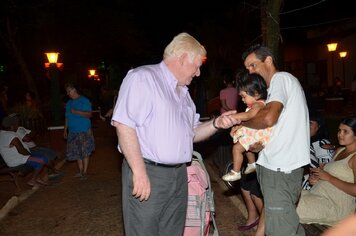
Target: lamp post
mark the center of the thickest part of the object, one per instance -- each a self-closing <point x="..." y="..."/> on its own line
<point x="53" y="67"/>
<point x="342" y="56"/>
<point x="93" y="82"/>
<point x="332" y="48"/>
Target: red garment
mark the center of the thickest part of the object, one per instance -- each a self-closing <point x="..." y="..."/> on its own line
<point x="230" y="95"/>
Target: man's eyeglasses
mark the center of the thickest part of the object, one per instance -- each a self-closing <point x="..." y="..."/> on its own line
<point x="252" y="65"/>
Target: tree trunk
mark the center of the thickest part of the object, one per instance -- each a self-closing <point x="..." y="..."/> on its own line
<point x="270" y="26"/>
<point x="8" y="38"/>
<point x="264" y="21"/>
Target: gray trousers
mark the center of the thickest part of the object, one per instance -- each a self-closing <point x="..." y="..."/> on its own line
<point x="164" y="213"/>
<point x="281" y="192"/>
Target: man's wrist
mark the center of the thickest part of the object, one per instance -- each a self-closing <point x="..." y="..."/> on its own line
<point x="214" y="124"/>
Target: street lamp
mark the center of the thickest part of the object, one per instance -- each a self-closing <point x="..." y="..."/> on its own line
<point x="92" y="75"/>
<point x="342" y="56"/>
<point x="92" y="72"/>
<point x="53" y="67"/>
<point x="332" y="48"/>
<point x="52" y="57"/>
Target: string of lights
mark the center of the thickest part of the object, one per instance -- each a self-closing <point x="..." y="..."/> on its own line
<point x="318" y="24"/>
<point x="302" y="8"/>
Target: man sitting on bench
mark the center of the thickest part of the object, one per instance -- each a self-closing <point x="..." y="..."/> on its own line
<point x="27" y="137"/>
<point x="15" y="153"/>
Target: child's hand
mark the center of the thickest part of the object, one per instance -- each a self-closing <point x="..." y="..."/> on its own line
<point x="234" y="130"/>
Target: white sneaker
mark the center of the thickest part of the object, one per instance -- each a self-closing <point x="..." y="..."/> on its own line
<point x="232" y="176"/>
<point x="250" y="168"/>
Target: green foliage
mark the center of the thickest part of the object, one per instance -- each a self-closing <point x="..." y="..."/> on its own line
<point x="3" y="68"/>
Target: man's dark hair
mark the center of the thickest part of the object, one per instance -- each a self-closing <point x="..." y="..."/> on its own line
<point x="262" y="52"/>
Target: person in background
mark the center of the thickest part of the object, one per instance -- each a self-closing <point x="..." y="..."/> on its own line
<point x="156" y="124"/>
<point x="353" y="84"/>
<point x="3" y="101"/>
<point x="30" y="100"/>
<point x="332" y="196"/>
<point x="321" y="150"/>
<point x="106" y="103"/>
<point x="15" y="152"/>
<point x="32" y="105"/>
<point x="253" y="198"/>
<point x="77" y="130"/>
<point x="28" y="139"/>
<point x="280" y="162"/>
<point x="338" y="85"/>
<point x="228" y="95"/>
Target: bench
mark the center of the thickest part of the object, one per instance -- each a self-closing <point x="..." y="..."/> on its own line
<point x="14" y="172"/>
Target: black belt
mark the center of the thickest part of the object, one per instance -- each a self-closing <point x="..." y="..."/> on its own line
<point x="160" y="164"/>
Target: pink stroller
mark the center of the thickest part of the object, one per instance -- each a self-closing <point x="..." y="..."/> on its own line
<point x="201" y="209"/>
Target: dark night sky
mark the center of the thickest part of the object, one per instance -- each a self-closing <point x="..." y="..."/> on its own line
<point x="104" y="24"/>
<point x="299" y="16"/>
<point x="136" y="32"/>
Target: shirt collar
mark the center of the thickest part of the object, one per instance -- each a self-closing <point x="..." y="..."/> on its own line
<point x="171" y="79"/>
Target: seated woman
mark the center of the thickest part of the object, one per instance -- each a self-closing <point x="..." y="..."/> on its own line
<point x="332" y="197"/>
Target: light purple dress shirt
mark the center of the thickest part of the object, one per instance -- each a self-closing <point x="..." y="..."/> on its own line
<point x="164" y="121"/>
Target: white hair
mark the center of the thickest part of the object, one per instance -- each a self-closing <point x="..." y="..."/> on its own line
<point x="184" y="43"/>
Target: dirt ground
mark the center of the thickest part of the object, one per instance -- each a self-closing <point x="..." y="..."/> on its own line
<point x="70" y="206"/>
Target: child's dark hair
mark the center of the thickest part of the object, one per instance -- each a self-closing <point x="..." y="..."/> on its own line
<point x="253" y="84"/>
